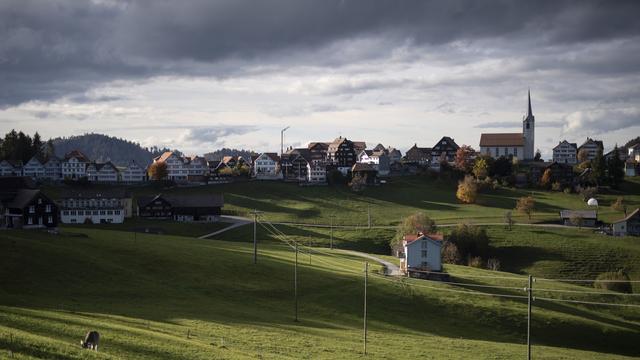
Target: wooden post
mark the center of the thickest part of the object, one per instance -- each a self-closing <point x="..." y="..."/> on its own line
<point x="331" y="241"/>
<point x="295" y="282"/>
<point x="529" y="291"/>
<point x="366" y="275"/>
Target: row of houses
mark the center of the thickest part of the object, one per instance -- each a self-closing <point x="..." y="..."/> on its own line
<point x="74" y="165"/>
<point x="23" y="205"/>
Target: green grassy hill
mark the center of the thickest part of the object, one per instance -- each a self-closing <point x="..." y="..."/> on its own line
<point x="157" y="296"/>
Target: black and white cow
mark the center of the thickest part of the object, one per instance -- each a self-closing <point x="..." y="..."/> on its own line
<point x="91" y="340"/>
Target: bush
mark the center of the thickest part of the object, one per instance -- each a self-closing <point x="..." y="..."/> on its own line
<point x="587" y="192"/>
<point x="623" y="285"/>
<point x="474" y="261"/>
<point x="450" y="254"/>
<point x="470" y="240"/>
<point x="493" y="264"/>
<point x="556" y="186"/>
<point x="467" y="190"/>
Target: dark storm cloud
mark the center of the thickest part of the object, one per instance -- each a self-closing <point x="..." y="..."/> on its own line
<point x="50" y="49"/>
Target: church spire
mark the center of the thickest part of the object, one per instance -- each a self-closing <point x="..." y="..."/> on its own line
<point x="530" y="113"/>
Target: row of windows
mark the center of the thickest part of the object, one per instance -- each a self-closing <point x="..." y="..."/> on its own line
<point x="31" y="220"/>
<point x="32" y="208"/>
<point x="91" y="212"/>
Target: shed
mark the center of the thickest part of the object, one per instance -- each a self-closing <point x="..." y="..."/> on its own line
<point x="629" y="225"/>
<point x="587" y="217"/>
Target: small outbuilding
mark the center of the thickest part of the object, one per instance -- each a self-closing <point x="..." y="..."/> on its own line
<point x="630" y="225"/>
<point x="587" y="218"/>
<point x="187" y="208"/>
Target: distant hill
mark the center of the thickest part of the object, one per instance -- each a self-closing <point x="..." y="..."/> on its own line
<point x="219" y="154"/>
<point x="102" y="148"/>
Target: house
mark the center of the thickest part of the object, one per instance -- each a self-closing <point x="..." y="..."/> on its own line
<point x="185" y="208"/>
<point x="34" y="168"/>
<point x="81" y="206"/>
<point x="591" y="148"/>
<point x="376" y="158"/>
<point x="587" y="218"/>
<point x="366" y="171"/>
<point x="133" y="173"/>
<point x="633" y="152"/>
<point x="341" y="153"/>
<point x="11" y="168"/>
<point x="560" y="172"/>
<point x="102" y="172"/>
<point x="565" y="152"/>
<point x="418" y="155"/>
<point x="177" y="169"/>
<point x="444" y="150"/>
<point x="631" y="167"/>
<point x="267" y="167"/>
<point x="395" y="155"/>
<point x="28" y="208"/>
<point x="74" y="165"/>
<point x="53" y="168"/>
<point x="197" y="166"/>
<point x="630" y="225"/>
<point x="421" y="252"/>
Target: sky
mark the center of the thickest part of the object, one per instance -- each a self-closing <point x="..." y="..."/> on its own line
<point x="200" y="75"/>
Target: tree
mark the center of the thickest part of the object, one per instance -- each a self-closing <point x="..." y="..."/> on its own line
<point x="526" y="205"/>
<point x="620" y="205"/>
<point x="36" y="146"/>
<point x="158" y="171"/>
<point x="587" y="192"/>
<point x="615" y="168"/>
<point x="508" y="219"/>
<point x="358" y="183"/>
<point x="450" y="253"/>
<point x="545" y="181"/>
<point x="481" y="167"/>
<point x="463" y="158"/>
<point x="598" y="167"/>
<point x="413" y="224"/>
<point x="537" y="156"/>
<point x="576" y="220"/>
<point x="467" y="190"/>
<point x="501" y="167"/>
<point x="583" y="155"/>
<point x="470" y="240"/>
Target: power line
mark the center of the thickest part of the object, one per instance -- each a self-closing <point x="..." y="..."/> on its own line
<point x="586" y="302"/>
<point x="589" y="280"/>
<point x="585" y="292"/>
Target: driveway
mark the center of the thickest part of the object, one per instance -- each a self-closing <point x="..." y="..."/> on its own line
<point x="390" y="268"/>
<point x="235" y="221"/>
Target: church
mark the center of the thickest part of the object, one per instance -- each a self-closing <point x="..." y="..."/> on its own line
<point x="518" y="145"/>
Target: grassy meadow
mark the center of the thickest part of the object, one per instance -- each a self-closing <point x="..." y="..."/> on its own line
<point x="170" y="297"/>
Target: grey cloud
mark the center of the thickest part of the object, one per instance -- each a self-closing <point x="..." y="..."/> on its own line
<point x="50" y="49"/>
<point x="214" y="135"/>
<point x="517" y="123"/>
<point x="600" y="121"/>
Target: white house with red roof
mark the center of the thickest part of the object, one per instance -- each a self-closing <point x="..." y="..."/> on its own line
<point x="267" y="167"/>
<point x="421" y="253"/>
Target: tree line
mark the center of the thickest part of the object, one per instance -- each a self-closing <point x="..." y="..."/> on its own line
<point x="16" y="145"/>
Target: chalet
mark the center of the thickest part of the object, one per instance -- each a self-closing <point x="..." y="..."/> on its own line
<point x="630" y="225"/>
<point x="11" y="168"/>
<point x="633" y="152"/>
<point x="267" y="167"/>
<point x="197" y="166"/>
<point x="341" y="153"/>
<point x="591" y="148"/>
<point x="74" y="165"/>
<point x="421" y="252"/>
<point x="133" y="173"/>
<point x="28" y="208"/>
<point x="376" y="158"/>
<point x="395" y="155"/>
<point x="110" y="205"/>
<point x="34" y="168"/>
<point x="587" y="218"/>
<point x="565" y="152"/>
<point x="102" y="172"/>
<point x="366" y="171"/>
<point x="631" y="167"/>
<point x="53" y="168"/>
<point x="186" y="208"/>
<point x="444" y="150"/>
<point x="177" y="170"/>
<point x="298" y="166"/>
<point x="418" y="155"/>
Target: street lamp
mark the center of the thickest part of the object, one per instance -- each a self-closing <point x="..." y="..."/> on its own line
<point x="282" y="140"/>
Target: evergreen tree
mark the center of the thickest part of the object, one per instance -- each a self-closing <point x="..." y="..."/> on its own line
<point x="36" y="144"/>
<point x="615" y="168"/>
<point x="598" y="167"/>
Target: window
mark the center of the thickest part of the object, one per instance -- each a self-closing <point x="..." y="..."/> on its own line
<point x="32" y="209"/>
<point x="424" y="253"/>
<point x="30" y="220"/>
<point x="48" y="208"/>
<point x="50" y="219"/>
<point x="40" y="201"/>
<point x="515" y="151"/>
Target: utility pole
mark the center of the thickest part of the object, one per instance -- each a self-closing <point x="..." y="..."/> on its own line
<point x="369" y="216"/>
<point x="282" y="140"/>
<point x="529" y="291"/>
<point x="366" y="275"/>
<point x="295" y="282"/>
<point x="255" y="235"/>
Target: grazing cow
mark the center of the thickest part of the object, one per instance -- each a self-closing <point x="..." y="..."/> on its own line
<point x="91" y="340"/>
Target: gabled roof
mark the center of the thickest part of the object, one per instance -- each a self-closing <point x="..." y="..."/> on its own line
<point x="362" y="167"/>
<point x="626" y="218"/>
<point x="504" y="139"/>
<point x="271" y="155"/>
<point x="227" y="159"/>
<point x="23" y="198"/>
<point x="359" y="145"/>
<point x="565" y="142"/>
<point x="13" y="163"/>
<point x="410" y="239"/>
<point x="585" y="214"/>
<point x="590" y="141"/>
<point x="76" y="154"/>
<point x="379" y="147"/>
<point x="318" y="145"/>
<point x="450" y="142"/>
<point x="199" y="200"/>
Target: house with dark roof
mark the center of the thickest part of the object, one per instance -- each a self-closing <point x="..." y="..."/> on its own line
<point x="87" y="206"/>
<point x="378" y="159"/>
<point x="34" y="168"/>
<point x="418" y="155"/>
<point x="587" y="218"/>
<point x="342" y="154"/>
<point x="102" y="172"/>
<point x="53" y="168"/>
<point x="629" y="225"/>
<point x="11" y="167"/>
<point x="421" y="252"/>
<point x="444" y="150"/>
<point x="185" y="208"/>
<point x="591" y="148"/>
<point x="365" y="171"/>
<point x="27" y="208"/>
<point x="74" y="165"/>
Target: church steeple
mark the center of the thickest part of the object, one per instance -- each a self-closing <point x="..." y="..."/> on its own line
<point x="529" y="113"/>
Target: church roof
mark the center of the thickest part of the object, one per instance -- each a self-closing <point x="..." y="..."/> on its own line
<point x="504" y="139"/>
